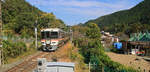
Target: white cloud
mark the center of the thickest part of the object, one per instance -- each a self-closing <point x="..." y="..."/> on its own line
<point x="77" y="3"/>
<point x="84" y="8"/>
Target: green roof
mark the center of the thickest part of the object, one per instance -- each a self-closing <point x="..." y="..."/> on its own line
<point x="140" y="37"/>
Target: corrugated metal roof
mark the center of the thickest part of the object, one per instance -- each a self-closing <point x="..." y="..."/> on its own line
<point x="140" y="37"/>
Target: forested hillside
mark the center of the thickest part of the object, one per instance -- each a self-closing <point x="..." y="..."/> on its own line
<point x="19" y="17"/>
<point x="136" y="19"/>
<point x="19" y="21"/>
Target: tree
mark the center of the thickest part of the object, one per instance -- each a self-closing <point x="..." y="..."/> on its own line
<point x="93" y="31"/>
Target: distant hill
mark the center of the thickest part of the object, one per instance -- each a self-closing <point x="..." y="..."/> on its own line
<point x="128" y="21"/>
<point x="19" y="17"/>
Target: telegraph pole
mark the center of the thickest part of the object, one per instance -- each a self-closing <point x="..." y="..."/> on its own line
<point x="36" y="22"/>
<point x="1" y="50"/>
<point x="89" y="67"/>
<point x="71" y="36"/>
<point x="36" y="34"/>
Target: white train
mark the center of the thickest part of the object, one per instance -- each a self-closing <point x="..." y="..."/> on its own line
<point x="52" y="38"/>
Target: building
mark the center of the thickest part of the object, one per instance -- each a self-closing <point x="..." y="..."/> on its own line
<point x="139" y="43"/>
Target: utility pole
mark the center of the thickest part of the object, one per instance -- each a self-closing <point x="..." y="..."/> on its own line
<point x="36" y="44"/>
<point x="71" y="36"/>
<point x="89" y="67"/>
<point x="1" y="49"/>
<point x="36" y="34"/>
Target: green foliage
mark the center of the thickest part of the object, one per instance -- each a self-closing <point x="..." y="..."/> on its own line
<point x="20" y="18"/>
<point x="92" y="50"/>
<point x="49" y="20"/>
<point x="134" y="20"/>
<point x="93" y="31"/>
<point x="17" y="14"/>
<point x="13" y="49"/>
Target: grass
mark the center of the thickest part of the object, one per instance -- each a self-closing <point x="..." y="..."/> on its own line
<point x="30" y="52"/>
<point x="78" y="59"/>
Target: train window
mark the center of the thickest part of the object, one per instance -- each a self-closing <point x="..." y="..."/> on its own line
<point x="54" y="34"/>
<point x="42" y="35"/>
<point x="47" y="34"/>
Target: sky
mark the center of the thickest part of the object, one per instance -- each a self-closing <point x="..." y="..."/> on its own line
<point x="73" y="12"/>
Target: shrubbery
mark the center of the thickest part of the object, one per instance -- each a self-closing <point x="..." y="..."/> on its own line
<point x="92" y="50"/>
<point x="13" y="49"/>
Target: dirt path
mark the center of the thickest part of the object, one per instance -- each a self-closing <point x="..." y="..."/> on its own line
<point x="61" y="55"/>
<point x="131" y="61"/>
<point x="64" y="53"/>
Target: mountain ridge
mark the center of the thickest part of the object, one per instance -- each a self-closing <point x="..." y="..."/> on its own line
<point x="126" y="19"/>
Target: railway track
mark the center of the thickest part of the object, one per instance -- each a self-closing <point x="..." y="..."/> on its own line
<point x="28" y="64"/>
<point x="31" y="63"/>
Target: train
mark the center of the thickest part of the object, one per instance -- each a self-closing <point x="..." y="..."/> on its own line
<point x="53" y="38"/>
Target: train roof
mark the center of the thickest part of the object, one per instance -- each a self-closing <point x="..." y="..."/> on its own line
<point x="62" y="64"/>
<point x="51" y="29"/>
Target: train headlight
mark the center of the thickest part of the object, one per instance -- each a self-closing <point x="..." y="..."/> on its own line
<point x="43" y="43"/>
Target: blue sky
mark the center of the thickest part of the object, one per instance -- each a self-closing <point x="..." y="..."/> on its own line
<point x="79" y="11"/>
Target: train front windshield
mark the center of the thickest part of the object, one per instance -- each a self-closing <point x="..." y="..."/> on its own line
<point x="54" y="34"/>
<point x="48" y="34"/>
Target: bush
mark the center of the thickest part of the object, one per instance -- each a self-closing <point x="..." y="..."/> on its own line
<point x="92" y="50"/>
<point x="12" y="50"/>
